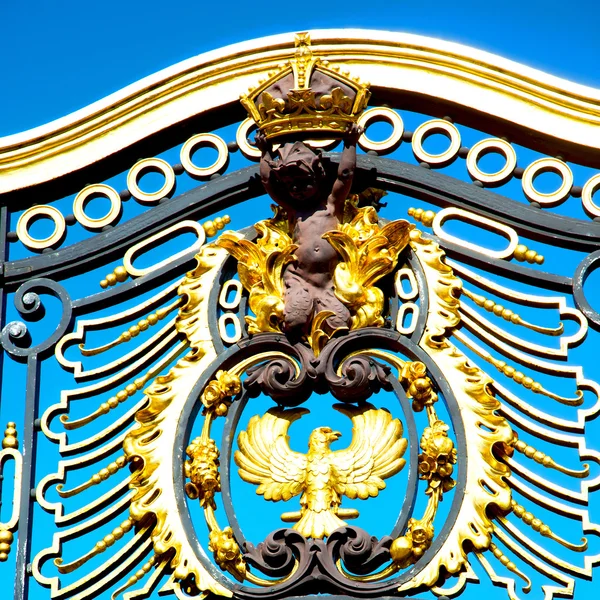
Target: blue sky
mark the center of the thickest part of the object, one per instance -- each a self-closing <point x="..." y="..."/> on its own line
<point x="58" y="56"/>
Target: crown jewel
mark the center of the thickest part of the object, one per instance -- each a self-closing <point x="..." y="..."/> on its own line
<point x="306" y="94"/>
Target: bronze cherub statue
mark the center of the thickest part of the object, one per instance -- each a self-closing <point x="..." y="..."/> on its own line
<point x="312" y="269"/>
<point x="294" y="176"/>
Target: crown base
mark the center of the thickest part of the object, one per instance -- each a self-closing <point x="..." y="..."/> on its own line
<point x="324" y="126"/>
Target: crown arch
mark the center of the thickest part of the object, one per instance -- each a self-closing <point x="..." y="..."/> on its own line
<point x="465" y="330"/>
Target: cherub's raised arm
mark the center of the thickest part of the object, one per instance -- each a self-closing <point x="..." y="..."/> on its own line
<point x="343" y="183"/>
<point x="266" y="160"/>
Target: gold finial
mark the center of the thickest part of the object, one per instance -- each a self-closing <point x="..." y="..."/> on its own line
<point x="10" y="436"/>
<point x="6" y="539"/>
<point x="119" y="275"/>
<point x="211" y="227"/>
<point x="106" y="542"/>
<point x="547" y="461"/>
<point x="523" y="254"/>
<point x="504" y="560"/>
<point x="97" y="478"/>
<point x="509" y="315"/>
<point x="302" y="39"/>
<point x="424" y="216"/>
<point x="538" y="525"/>
<point x="134" y="330"/>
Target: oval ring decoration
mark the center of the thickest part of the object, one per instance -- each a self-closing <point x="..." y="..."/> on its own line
<point x="376" y="115"/>
<point x="232" y="318"/>
<point x="136" y="248"/>
<point x="545" y="165"/>
<point x="231" y="284"/>
<point x="147" y="165"/>
<point x="465" y="215"/>
<point x="89" y="192"/>
<point x="488" y="146"/>
<point x="429" y="128"/>
<point x="203" y="140"/>
<point x="37" y="212"/>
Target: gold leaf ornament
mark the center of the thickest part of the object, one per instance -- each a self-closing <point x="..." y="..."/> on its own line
<point x="368" y="252"/>
<point x="260" y="268"/>
<point x="203" y="471"/>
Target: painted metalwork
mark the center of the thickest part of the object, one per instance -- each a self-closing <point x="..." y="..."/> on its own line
<point x="324" y="298"/>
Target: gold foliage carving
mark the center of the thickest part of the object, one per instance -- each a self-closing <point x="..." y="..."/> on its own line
<point x="367" y="250"/>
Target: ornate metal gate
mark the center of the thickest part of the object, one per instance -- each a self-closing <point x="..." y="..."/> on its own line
<point x="169" y="355"/>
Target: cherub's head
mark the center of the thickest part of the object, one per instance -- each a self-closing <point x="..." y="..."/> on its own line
<point x="299" y="170"/>
<point x="321" y="437"/>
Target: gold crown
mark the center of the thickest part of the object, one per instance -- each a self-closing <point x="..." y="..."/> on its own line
<point x="306" y="94"/>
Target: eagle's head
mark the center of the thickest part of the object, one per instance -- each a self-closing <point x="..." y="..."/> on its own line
<point x="321" y="437"/>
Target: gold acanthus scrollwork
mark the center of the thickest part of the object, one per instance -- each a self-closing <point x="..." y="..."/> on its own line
<point x="202" y="468"/>
<point x="485" y="485"/>
<point x="203" y="471"/>
<point x="483" y="427"/>
<point x="147" y="445"/>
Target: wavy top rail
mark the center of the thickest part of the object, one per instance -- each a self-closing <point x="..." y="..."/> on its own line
<point x="481" y="89"/>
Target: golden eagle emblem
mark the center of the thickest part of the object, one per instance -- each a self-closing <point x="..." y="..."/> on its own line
<point x="321" y="475"/>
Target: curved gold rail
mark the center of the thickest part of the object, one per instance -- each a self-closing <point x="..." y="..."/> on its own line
<point x="502" y="96"/>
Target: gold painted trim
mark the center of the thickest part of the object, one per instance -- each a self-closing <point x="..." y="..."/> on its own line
<point x="478" y="81"/>
<point x="203" y="140"/>
<point x="429" y="128"/>
<point x="99" y="189"/>
<point x="35" y="212"/>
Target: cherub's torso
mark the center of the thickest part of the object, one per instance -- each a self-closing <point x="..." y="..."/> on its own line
<point x="316" y="258"/>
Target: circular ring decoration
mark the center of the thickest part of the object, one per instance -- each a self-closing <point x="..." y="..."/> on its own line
<point x="545" y="165"/>
<point x="587" y="196"/>
<point x="89" y="192"/>
<point x="33" y="214"/>
<point x="487" y="146"/>
<point x="203" y="140"/>
<point x="241" y="138"/>
<point x="428" y="129"/>
<point x="377" y="115"/>
<point x="146" y="165"/>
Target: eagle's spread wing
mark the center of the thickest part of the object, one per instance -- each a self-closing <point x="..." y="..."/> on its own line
<point x="374" y="454"/>
<point x="266" y="459"/>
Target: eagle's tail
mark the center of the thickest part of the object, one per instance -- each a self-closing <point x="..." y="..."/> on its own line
<point x="318" y="524"/>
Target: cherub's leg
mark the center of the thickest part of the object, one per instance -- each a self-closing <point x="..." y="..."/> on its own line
<point x="298" y="303"/>
<point x="327" y="300"/>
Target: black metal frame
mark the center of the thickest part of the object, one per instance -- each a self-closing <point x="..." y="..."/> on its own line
<point x="41" y="273"/>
